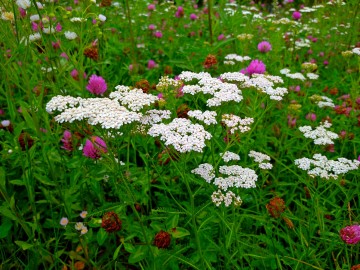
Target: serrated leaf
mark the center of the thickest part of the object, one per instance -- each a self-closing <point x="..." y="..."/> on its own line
<point x="129" y="247"/>
<point x="179" y="232"/>
<point x="24" y="245"/>
<point x="101" y="236"/>
<point x="138" y="255"/>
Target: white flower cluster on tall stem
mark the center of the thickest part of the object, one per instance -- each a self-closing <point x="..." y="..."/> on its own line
<point x="230" y="59"/>
<point x="218" y="198"/>
<point x="135" y="99"/>
<point x="320" y="135"/>
<point x="206" y="171"/>
<point x="228" y="156"/>
<point x="70" y="35"/>
<point x="261" y="82"/>
<point x="181" y="134"/>
<point x="165" y="82"/>
<point x="260" y="158"/>
<point x="220" y="91"/>
<point x="103" y="111"/>
<point x="236" y="123"/>
<point x="238" y="177"/>
<point x="324" y="168"/>
<point x="208" y="117"/>
<point x="24" y="4"/>
<point x="325" y="102"/>
<point x="154" y="116"/>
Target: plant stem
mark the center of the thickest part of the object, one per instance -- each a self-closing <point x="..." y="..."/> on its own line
<point x="210" y="21"/>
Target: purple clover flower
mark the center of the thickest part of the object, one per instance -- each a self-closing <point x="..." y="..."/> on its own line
<point x="94" y="147"/>
<point x="350" y="234"/>
<point x="264" y="47"/>
<point x="97" y="85"/>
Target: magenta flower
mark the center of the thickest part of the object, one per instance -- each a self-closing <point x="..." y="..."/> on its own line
<point x="221" y="37"/>
<point x="180" y="12"/>
<point x="291" y="121"/>
<point x="67" y="141"/>
<point x="158" y="34"/>
<point x="34" y="26"/>
<point x="151" y="64"/>
<point x="58" y="27"/>
<point x="64" y="55"/>
<point x="193" y="17"/>
<point x="151" y="7"/>
<point x="97" y="85"/>
<point x="94" y="148"/>
<point x="350" y="234"/>
<point x="55" y="45"/>
<point x="256" y="66"/>
<point x="22" y="12"/>
<point x="311" y="117"/>
<point x="75" y="74"/>
<point x="264" y="47"/>
<point x="152" y="27"/>
<point x="296" y="15"/>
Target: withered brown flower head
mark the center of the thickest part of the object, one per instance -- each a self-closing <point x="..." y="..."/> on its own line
<point x="105" y="3"/>
<point x="210" y="61"/>
<point x="92" y="53"/>
<point x="182" y="111"/>
<point x="162" y="239"/>
<point x="111" y="222"/>
<point x="143" y="85"/>
<point x="25" y="141"/>
<point x="276" y="207"/>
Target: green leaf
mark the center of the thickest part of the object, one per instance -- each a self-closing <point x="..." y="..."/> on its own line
<point x="138" y="255"/>
<point x="2" y="179"/>
<point x="172" y="221"/>
<point x="24" y="245"/>
<point x="5" y="227"/>
<point x="17" y="182"/>
<point x="101" y="236"/>
<point x="129" y="247"/>
<point x="179" y="232"/>
<point x="116" y="253"/>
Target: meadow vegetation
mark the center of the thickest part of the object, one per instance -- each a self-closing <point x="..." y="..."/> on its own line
<point x="189" y="135"/>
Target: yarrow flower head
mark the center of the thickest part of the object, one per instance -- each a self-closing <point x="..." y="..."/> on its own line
<point x="320" y="135"/>
<point x="350" y="234"/>
<point x="94" y="148"/>
<point x="97" y="85"/>
<point x="264" y="47"/>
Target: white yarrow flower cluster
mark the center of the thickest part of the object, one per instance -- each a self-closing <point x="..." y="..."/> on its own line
<point x="230" y="59"/>
<point x="103" y="111"/>
<point x="182" y="135"/>
<point x="206" y="171"/>
<point x="320" y="135"/>
<point x="312" y="76"/>
<point x="208" y="117"/>
<point x="324" y="168"/>
<point x="135" y="99"/>
<point x="155" y="116"/>
<point x="220" y="91"/>
<point x="238" y="177"/>
<point x="34" y="37"/>
<point x="70" y="35"/>
<point x="24" y="4"/>
<point x="77" y="19"/>
<point x="228" y="156"/>
<point x="260" y="158"/>
<point x="356" y="51"/>
<point x="235" y="123"/>
<point x="218" y="198"/>
<point x="297" y="76"/>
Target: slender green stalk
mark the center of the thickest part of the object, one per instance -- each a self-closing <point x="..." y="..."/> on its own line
<point x="210" y="7"/>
